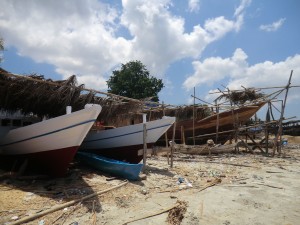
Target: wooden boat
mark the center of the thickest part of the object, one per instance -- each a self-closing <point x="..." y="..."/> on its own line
<point x="111" y="166"/>
<point x="224" y="121"/>
<point x="124" y="143"/>
<point x="47" y="146"/>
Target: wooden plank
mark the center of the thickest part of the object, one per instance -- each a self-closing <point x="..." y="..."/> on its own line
<point x="145" y="145"/>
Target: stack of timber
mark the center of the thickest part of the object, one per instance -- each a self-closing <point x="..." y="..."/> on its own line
<point x="195" y="149"/>
<point x="204" y="149"/>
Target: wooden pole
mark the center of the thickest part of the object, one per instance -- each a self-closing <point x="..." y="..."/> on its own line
<point x="173" y="144"/>
<point x="166" y="135"/>
<point x="279" y="133"/>
<point x="218" y="121"/>
<point x="61" y="206"/>
<point x="153" y="214"/>
<point x="233" y="119"/>
<point x="182" y="135"/>
<point x="267" y="128"/>
<point x="240" y="129"/>
<point x="261" y="88"/>
<point x="194" y="119"/>
<point x="267" y="139"/>
<point x="145" y="146"/>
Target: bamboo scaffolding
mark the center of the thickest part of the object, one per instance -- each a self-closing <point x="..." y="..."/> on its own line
<point x="194" y="119"/>
<point x="240" y="129"/>
<point x="144" y="146"/>
<point x="262" y="88"/>
<point x="279" y="133"/>
<point x="221" y="106"/>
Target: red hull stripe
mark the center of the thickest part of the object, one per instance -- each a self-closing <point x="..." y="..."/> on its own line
<point x="52" y="132"/>
<point x="53" y="163"/>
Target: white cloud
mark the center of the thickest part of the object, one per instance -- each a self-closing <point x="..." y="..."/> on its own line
<point x="194" y="5"/>
<point x="214" y="69"/>
<point x="272" y="27"/>
<point x="83" y="38"/>
<point x="216" y="28"/>
<point x="237" y="72"/>
<point x="91" y="81"/>
<point x="240" y="9"/>
<point x="77" y="37"/>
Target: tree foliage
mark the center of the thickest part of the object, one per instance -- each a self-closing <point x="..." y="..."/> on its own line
<point x="133" y="80"/>
<point x="1" y="47"/>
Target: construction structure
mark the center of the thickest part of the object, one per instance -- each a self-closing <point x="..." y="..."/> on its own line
<point x="195" y="124"/>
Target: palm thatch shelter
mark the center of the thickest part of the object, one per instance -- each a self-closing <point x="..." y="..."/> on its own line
<point x="44" y="97"/>
<point x="240" y="97"/>
<point x="34" y="94"/>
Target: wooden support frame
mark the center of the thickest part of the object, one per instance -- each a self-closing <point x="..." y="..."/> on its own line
<point x="182" y="135"/>
<point x="145" y="146"/>
<point x="279" y="133"/>
<point x="173" y="144"/>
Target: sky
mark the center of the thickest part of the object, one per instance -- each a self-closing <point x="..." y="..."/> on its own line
<point x="201" y="44"/>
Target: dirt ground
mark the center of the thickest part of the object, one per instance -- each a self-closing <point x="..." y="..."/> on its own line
<point x="223" y="189"/>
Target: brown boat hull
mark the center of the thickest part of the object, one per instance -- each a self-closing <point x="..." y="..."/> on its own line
<point x="224" y="121"/>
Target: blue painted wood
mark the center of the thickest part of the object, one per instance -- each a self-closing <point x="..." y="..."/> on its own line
<point x="115" y="167"/>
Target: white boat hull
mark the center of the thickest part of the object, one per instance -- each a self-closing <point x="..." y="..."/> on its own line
<point x="123" y="143"/>
<point x="54" y="141"/>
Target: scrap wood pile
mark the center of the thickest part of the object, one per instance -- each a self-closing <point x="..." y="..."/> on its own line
<point x="239" y="97"/>
<point x="45" y="97"/>
<point x="206" y="149"/>
<point x="176" y="214"/>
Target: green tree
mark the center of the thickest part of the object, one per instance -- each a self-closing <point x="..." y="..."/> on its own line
<point x="134" y="81"/>
<point x="1" y="47"/>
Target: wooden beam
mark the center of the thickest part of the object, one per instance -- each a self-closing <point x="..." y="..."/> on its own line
<point x="173" y="144"/>
<point x="145" y="146"/>
<point x="279" y="133"/>
<point x="182" y="135"/>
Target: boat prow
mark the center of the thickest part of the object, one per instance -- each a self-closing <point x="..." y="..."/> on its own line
<point x="50" y="145"/>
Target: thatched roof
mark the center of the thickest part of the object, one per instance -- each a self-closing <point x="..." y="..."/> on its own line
<point x="45" y="97"/>
<point x="183" y="112"/>
<point x="35" y="94"/>
<point x="241" y="96"/>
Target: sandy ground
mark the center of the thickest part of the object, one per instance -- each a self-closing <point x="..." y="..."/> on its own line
<point x="224" y="189"/>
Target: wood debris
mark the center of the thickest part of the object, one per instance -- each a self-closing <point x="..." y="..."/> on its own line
<point x="176" y="214"/>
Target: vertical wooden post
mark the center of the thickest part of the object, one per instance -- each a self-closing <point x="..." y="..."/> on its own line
<point x="194" y="118"/>
<point x="145" y="146"/>
<point x="267" y="139"/>
<point x="173" y="144"/>
<point x="182" y="135"/>
<point x="166" y="135"/>
<point x="218" y="121"/>
<point x="267" y="129"/>
<point x="233" y="119"/>
<point x="279" y="133"/>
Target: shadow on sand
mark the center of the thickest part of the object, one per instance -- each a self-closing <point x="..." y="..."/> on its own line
<point x="58" y="191"/>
